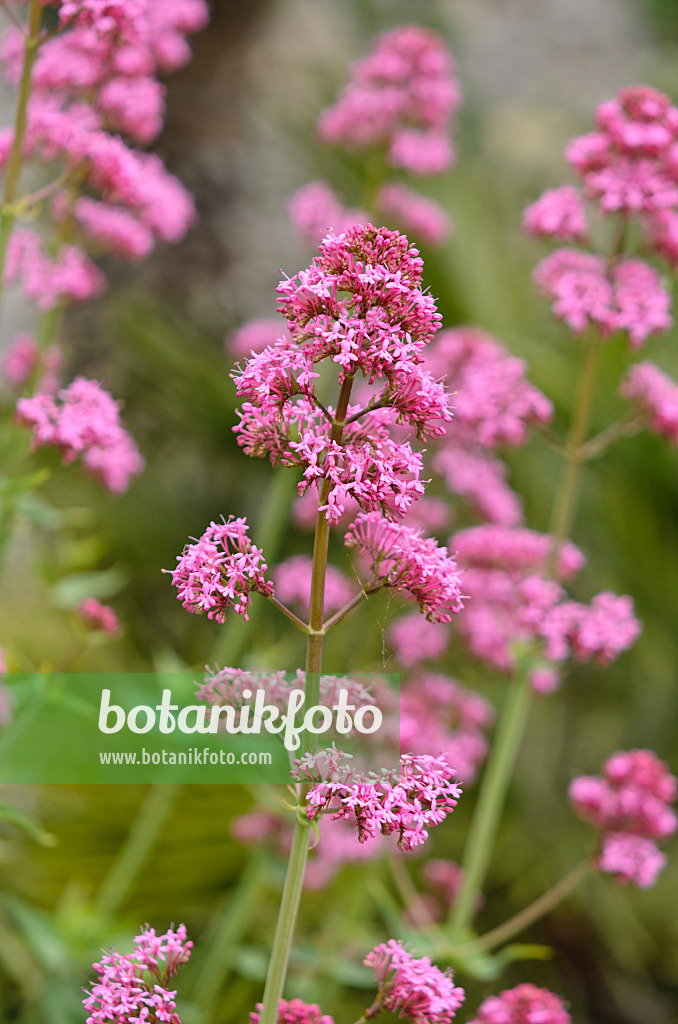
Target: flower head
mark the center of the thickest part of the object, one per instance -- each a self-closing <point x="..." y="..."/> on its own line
<point x="655" y="396"/>
<point x="294" y="1011"/>
<point x="629" y="805"/>
<point x="403" y="96"/>
<point x="133" y="986"/>
<point x="83" y="420"/>
<point x="98" y="617"/>
<point x="411" y="987"/>
<point x="403" y="559"/>
<point x="220" y="570"/>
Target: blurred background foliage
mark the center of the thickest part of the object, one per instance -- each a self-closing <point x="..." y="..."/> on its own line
<point x="241" y="135"/>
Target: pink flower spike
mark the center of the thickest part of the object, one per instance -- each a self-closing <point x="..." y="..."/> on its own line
<point x="411" y="987"/>
<point x="220" y="570"/>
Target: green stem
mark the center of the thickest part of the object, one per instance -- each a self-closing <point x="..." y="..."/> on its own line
<point x="566" y="502"/>
<point x="294" y="879"/>
<point x="143" y="834"/>
<point x="536" y="910"/>
<point x="478" y="850"/>
<point x="16" y="152"/>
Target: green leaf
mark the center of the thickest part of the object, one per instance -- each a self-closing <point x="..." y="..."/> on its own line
<point x="69" y="591"/>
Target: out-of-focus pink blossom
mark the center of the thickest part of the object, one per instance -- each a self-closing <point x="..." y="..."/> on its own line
<point x="558" y="213"/>
<point x="98" y="617"/>
<point x="315" y="209"/>
<point x="20" y="360"/>
<point x="402" y="96"/>
<point x="629" y="806"/>
<point x="84" y="420"/>
<point x="292" y="580"/>
<point x="415" y="641"/>
<point x="655" y="396"/>
<point x="524" y="1004"/>
<point x="254" y="336"/>
<point x="628" y="297"/>
<point x="415" y="214"/>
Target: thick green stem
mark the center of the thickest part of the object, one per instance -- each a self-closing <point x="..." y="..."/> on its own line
<point x="496" y="778"/>
<point x="294" y="879"/>
<point x="16" y="152"/>
<point x="565" y="506"/>
<point x="536" y="910"/>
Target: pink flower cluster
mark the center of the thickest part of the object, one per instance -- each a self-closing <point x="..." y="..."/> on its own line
<point x="360" y="305"/>
<point x="512" y="601"/>
<point x="628" y="167"/>
<point x="90" y="82"/>
<point x="629" y="807"/>
<point x="23" y="359"/>
<point x="315" y="209"/>
<point x="133" y="986"/>
<point x="83" y="420"/>
<point x="438" y="714"/>
<point x="220" y="570"/>
<point x="626" y="296"/>
<point x="415" y="214"/>
<point x="494" y="406"/>
<point x="402" y="96"/>
<point x="294" y="1011"/>
<point x="411" y="987"/>
<point x="292" y="580"/>
<point x="50" y="281"/>
<point x="415" y="641"/>
<point x="401" y="558"/>
<point x="407" y="802"/>
<point x="655" y="397"/>
<point x="524" y="1004"/>
<point x="98" y="617"/>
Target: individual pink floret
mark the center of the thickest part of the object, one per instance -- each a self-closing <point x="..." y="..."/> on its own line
<point x="98" y="617"/>
<point x="405" y="560"/>
<point x="655" y="396"/>
<point x="558" y="213"/>
<point x="524" y="1004"/>
<point x="413" y="988"/>
<point x="220" y="570"/>
<point x="294" y="1011"/>
<point x="416" y="214"/>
